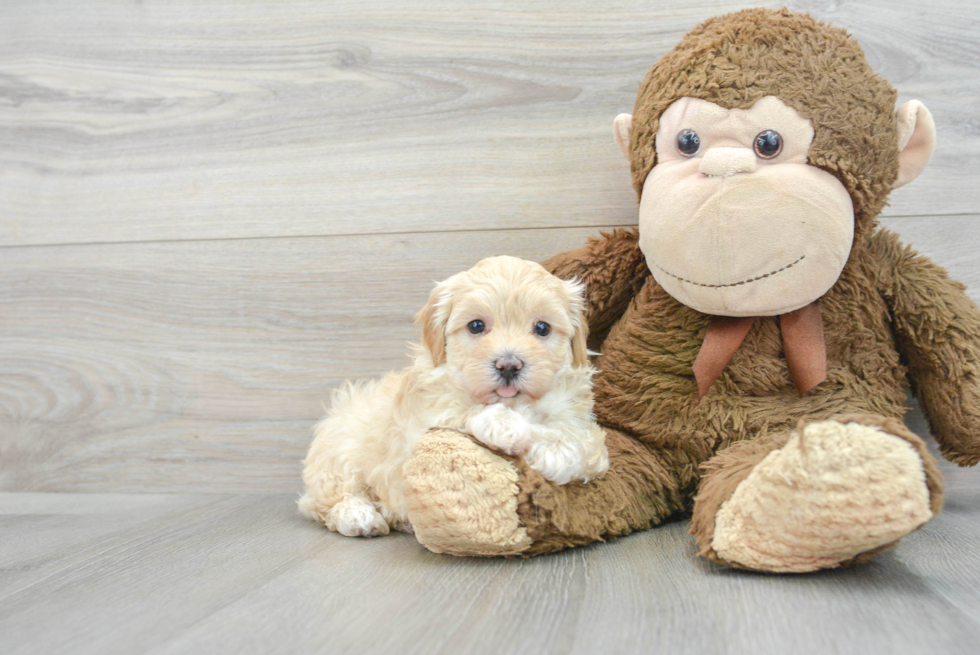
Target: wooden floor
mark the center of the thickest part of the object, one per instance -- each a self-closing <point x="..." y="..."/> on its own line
<point x="220" y="573"/>
<point x="211" y="213"/>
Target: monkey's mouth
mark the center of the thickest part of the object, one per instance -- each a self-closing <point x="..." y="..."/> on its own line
<point x="731" y="284"/>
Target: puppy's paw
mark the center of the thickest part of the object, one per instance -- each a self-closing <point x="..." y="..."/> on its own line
<point x="566" y="456"/>
<point x="557" y="461"/>
<point x="355" y="516"/>
<point x="503" y="429"/>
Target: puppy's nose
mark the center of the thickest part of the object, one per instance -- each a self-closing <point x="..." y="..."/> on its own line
<point x="508" y="367"/>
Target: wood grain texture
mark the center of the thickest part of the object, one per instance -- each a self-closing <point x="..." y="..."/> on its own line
<point x="186" y="120"/>
<point x="203" y="365"/>
<point x="144" y="366"/>
<point x="248" y="575"/>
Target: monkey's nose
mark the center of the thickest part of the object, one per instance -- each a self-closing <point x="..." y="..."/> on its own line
<point x="508" y="368"/>
<point x="723" y="162"/>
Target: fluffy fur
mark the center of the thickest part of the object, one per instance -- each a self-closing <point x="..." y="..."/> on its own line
<point x="517" y="390"/>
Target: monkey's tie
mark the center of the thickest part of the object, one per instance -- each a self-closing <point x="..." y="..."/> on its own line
<point x="803" y="346"/>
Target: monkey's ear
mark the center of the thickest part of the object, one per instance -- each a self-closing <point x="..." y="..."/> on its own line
<point x="621" y="130"/>
<point x="916" y="140"/>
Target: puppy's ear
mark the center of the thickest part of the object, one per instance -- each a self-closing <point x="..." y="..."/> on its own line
<point x="576" y="309"/>
<point x="432" y="320"/>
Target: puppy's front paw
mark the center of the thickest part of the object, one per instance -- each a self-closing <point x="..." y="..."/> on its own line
<point x="563" y="457"/>
<point x="557" y="461"/>
<point x="503" y="429"/>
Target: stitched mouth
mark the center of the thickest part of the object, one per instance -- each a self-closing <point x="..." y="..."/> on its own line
<point x="732" y="284"/>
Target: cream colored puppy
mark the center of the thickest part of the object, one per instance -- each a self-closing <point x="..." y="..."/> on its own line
<point x="503" y="359"/>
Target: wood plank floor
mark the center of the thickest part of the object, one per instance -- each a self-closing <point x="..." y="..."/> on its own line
<point x="128" y="573"/>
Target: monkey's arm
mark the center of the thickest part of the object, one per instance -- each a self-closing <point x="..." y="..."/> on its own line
<point x="937" y="329"/>
<point x="613" y="270"/>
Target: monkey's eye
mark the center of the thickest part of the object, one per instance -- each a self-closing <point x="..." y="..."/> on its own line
<point x="542" y="329"/>
<point x="688" y="142"/>
<point x="768" y="144"/>
<point x="476" y="327"/>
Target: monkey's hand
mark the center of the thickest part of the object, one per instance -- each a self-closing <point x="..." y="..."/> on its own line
<point x="937" y="329"/>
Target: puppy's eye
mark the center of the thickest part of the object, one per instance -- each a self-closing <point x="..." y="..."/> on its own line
<point x="768" y="144"/>
<point x="542" y="329"/>
<point x="688" y="143"/>
<point x="476" y="327"/>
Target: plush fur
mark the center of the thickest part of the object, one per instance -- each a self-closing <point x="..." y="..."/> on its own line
<point x="816" y="69"/>
<point x="892" y="318"/>
<point x="353" y="472"/>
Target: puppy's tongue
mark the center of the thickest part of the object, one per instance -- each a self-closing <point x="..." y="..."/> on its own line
<point x="506" y="392"/>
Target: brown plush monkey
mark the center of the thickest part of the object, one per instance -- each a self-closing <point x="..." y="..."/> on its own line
<point x="757" y="331"/>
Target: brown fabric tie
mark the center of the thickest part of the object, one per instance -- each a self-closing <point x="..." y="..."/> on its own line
<point x="803" y="346"/>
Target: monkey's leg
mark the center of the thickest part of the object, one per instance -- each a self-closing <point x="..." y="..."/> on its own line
<point x="831" y="493"/>
<point x="466" y="500"/>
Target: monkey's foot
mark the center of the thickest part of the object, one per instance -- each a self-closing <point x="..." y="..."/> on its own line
<point x="462" y="498"/>
<point x="837" y="492"/>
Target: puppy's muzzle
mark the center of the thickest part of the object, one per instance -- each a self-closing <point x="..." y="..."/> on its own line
<point x="508" y="368"/>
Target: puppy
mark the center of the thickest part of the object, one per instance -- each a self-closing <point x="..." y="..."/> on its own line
<point x="503" y="358"/>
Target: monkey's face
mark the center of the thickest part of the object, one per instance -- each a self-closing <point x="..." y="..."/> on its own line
<point x="733" y="220"/>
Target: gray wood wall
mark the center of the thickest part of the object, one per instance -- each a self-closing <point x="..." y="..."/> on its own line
<point x="211" y="213"/>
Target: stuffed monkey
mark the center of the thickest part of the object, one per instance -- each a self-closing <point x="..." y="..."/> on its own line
<point x="757" y="330"/>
